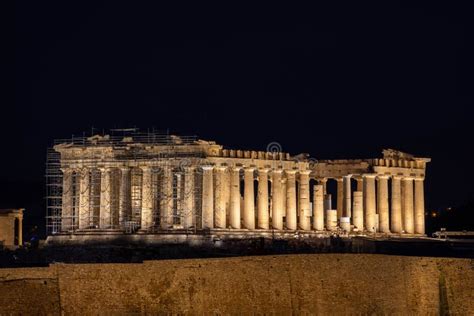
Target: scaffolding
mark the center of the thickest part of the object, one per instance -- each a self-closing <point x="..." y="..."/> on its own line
<point x="89" y="192"/>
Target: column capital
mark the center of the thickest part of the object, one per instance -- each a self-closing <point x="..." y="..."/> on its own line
<point x="304" y="172"/>
<point x="221" y="168"/>
<point x="67" y="170"/>
<point x="236" y="168"/>
<point x="419" y="178"/>
<point x="249" y="169"/>
<point x="84" y="170"/>
<point x="189" y="168"/>
<point x="339" y="179"/>
<point x="383" y="176"/>
<point x="396" y="177"/>
<point x="347" y="176"/>
<point x="277" y="171"/>
<point x="124" y="168"/>
<point x="104" y="168"/>
<point x="207" y="167"/>
<point x="263" y="170"/>
<point x="408" y="178"/>
<point x="291" y="172"/>
<point x="369" y="175"/>
<point x="144" y="168"/>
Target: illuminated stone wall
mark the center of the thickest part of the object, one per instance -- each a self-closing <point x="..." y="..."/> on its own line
<point x="300" y="284"/>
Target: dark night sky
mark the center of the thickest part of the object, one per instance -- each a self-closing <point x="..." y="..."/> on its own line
<point x="336" y="82"/>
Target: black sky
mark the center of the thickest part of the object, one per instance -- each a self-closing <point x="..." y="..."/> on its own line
<point x="337" y="82"/>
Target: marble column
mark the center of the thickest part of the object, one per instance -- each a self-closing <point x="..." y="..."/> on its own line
<point x="419" y="206"/>
<point x="125" y="202"/>
<point x="291" y="218"/>
<point x="234" y="214"/>
<point x="358" y="210"/>
<point x="323" y="182"/>
<point x="304" y="201"/>
<point x="166" y="198"/>
<point x="249" y="199"/>
<point x="262" y="199"/>
<point x="318" y="207"/>
<point x="147" y="198"/>
<point x="283" y="196"/>
<point x="207" y="197"/>
<point x="84" y="198"/>
<point x="331" y="220"/>
<point x="226" y="192"/>
<point x="178" y="211"/>
<point x="369" y="202"/>
<point x="189" y="216"/>
<point x="347" y="196"/>
<point x="94" y="218"/>
<point x="277" y="200"/>
<point x="67" y="198"/>
<point x="340" y="197"/>
<point x="382" y="203"/>
<point x="220" y="202"/>
<point x="396" y="208"/>
<point x="105" y="198"/>
<point x="407" y="206"/>
<point x="20" y="230"/>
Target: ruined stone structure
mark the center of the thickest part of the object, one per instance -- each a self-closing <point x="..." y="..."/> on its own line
<point x="165" y="184"/>
<point x="11" y="227"/>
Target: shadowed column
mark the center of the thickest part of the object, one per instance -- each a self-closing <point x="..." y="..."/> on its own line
<point x="105" y="197"/>
<point x="125" y="205"/>
<point x="189" y="202"/>
<point x="347" y="196"/>
<point x="340" y="197"/>
<point x="166" y="198"/>
<point x="147" y="198"/>
<point x="67" y="196"/>
<point x="84" y="199"/>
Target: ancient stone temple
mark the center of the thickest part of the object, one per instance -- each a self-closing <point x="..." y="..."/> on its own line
<point x="154" y="184"/>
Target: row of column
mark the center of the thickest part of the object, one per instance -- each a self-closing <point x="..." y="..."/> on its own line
<point x="284" y="200"/>
<point x="111" y="218"/>
<point x="221" y="196"/>
<point x="404" y="213"/>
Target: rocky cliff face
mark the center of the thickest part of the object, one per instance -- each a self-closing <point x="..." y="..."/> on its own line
<point x="317" y="284"/>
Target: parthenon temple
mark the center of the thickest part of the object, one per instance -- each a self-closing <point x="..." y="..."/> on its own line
<point x="151" y="183"/>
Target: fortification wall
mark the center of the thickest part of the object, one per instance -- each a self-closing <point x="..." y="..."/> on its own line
<point x="318" y="284"/>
